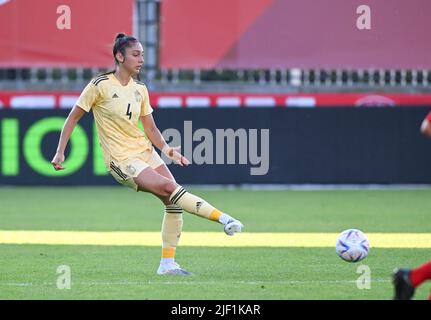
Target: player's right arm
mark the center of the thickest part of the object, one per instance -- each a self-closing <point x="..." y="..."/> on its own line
<point x="67" y="130"/>
<point x="426" y="126"/>
<point x="87" y="100"/>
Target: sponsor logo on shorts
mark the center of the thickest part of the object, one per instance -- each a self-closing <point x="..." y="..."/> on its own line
<point x="131" y="169"/>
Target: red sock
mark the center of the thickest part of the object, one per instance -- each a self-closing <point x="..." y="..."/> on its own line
<point x="420" y="274"/>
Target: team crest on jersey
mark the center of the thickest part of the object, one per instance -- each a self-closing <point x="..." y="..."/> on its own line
<point x="138" y="96"/>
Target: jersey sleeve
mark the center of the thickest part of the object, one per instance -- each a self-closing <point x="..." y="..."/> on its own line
<point x="89" y="97"/>
<point x="429" y="117"/>
<point x="145" y="106"/>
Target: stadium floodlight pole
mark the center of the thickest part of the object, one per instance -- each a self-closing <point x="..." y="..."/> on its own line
<point x="148" y="21"/>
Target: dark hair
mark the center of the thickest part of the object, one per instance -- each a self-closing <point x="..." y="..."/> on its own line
<point x="122" y="41"/>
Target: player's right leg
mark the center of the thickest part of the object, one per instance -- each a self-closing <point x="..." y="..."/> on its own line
<point x="169" y="191"/>
<point x="172" y="225"/>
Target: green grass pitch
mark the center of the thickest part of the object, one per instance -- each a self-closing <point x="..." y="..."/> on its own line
<point x="128" y="272"/>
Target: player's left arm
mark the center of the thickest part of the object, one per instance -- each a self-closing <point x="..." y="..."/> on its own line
<point x="426" y="126"/>
<point x="154" y="135"/>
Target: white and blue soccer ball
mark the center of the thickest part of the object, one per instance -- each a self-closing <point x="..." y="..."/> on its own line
<point x="352" y="245"/>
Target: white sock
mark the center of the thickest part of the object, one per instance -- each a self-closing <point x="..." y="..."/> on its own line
<point x="167" y="261"/>
<point x="224" y="218"/>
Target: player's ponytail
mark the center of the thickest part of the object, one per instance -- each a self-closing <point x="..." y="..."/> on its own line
<point x="122" y="41"/>
<point x="120" y="35"/>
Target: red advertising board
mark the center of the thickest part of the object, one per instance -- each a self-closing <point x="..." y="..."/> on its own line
<point x="295" y="33"/>
<point x="61" y="33"/>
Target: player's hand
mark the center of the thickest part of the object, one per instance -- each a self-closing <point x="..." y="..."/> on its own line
<point x="174" y="154"/>
<point x="57" y="161"/>
<point x="426" y="128"/>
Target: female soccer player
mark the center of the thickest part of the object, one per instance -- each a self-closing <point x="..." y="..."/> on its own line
<point x="118" y="102"/>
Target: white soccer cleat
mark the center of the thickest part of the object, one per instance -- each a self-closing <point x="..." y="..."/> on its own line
<point x="172" y="269"/>
<point x="233" y="226"/>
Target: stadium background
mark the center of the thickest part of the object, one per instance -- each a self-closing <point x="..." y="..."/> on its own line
<point x="343" y="107"/>
<point x="216" y="59"/>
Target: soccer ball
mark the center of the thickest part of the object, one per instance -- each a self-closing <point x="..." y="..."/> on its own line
<point x="352" y="245"/>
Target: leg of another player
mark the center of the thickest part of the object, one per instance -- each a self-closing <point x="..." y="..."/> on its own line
<point x="420" y="274"/>
<point x="149" y="180"/>
<point x="407" y="280"/>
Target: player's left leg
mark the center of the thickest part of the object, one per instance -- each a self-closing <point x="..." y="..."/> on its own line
<point x="198" y="206"/>
<point x="177" y="195"/>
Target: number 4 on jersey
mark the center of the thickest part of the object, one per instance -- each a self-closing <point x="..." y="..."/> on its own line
<point x="129" y="113"/>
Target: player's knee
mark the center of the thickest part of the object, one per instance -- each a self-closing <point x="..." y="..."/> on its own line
<point x="168" y="188"/>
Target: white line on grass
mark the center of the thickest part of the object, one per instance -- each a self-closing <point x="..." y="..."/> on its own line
<point x="150" y="282"/>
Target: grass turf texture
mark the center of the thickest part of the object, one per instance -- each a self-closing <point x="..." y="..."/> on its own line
<point x="107" y="272"/>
